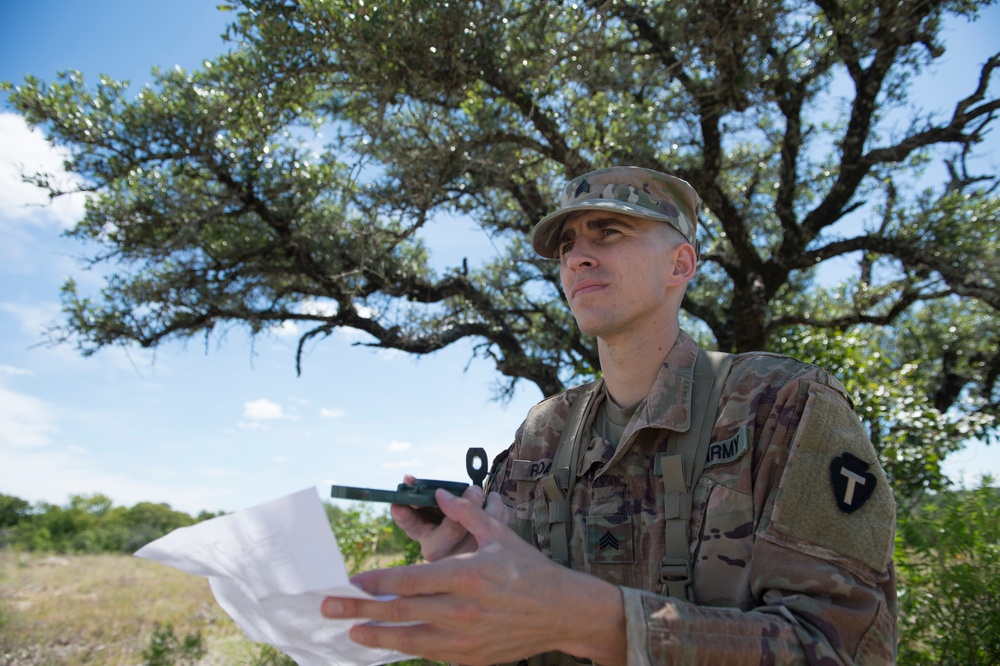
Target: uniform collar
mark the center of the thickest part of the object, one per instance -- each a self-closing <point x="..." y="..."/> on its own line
<point x="668" y="404"/>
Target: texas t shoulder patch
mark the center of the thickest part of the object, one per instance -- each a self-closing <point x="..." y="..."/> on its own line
<point x="852" y="483"/>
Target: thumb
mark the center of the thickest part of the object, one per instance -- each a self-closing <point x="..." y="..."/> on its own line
<point x="469" y="512"/>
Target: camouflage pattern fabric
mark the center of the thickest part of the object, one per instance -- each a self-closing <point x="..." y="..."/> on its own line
<point x="792" y="527"/>
<point x="625" y="190"/>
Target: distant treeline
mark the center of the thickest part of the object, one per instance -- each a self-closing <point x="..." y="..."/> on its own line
<point x="87" y="524"/>
<point x="92" y="524"/>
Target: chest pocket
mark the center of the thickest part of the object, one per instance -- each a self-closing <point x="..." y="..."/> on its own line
<point x="722" y="526"/>
<point x="610" y="540"/>
<point x="531" y="519"/>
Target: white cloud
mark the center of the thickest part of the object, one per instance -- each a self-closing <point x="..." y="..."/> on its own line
<point x="11" y="371"/>
<point x="287" y="329"/>
<point x="396" y="447"/>
<point x="25" y="150"/>
<point x="262" y="410"/>
<point x="331" y="412"/>
<point x="320" y="308"/>
<point x="25" y="421"/>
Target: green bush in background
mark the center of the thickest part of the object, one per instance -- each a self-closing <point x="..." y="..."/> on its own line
<point x="948" y="559"/>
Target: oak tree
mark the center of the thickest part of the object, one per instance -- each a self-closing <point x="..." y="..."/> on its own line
<point x="293" y="178"/>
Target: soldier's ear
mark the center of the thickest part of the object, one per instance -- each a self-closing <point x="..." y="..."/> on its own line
<point x="684" y="262"/>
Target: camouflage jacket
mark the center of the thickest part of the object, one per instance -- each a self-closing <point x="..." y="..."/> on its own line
<point x="791" y="533"/>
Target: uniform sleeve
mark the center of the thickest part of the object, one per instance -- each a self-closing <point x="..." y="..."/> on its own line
<point x="821" y="568"/>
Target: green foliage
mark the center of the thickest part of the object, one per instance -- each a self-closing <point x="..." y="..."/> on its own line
<point x="948" y="557"/>
<point x="895" y="398"/>
<point x="166" y="649"/>
<point x="268" y="655"/>
<point x="411" y="552"/>
<point x="363" y="534"/>
<point x="294" y="178"/>
<point x="91" y="524"/>
<point x="12" y="510"/>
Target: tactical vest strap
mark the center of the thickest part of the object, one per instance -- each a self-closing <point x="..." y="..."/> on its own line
<point x="560" y="481"/>
<point x="683" y="466"/>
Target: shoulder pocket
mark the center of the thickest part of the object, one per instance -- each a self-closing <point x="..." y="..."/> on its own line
<point x="833" y="495"/>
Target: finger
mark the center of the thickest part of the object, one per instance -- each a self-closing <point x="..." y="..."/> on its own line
<point x="346" y="608"/>
<point x="411" y="521"/>
<point x="468" y="514"/>
<point x="474" y="494"/>
<point x="444" y="576"/>
<point x="436" y="539"/>
<point x="425" y="640"/>
<point x="420" y="608"/>
<point x="496" y="509"/>
<point x="395" y="581"/>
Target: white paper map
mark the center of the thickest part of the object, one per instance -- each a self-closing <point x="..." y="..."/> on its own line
<point x="270" y="567"/>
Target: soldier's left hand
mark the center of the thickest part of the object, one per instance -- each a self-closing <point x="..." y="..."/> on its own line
<point x="503" y="602"/>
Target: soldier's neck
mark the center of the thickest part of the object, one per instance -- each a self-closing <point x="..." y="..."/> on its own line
<point x="630" y="365"/>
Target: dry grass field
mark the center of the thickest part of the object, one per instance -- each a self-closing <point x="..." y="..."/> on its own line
<point x="60" y="610"/>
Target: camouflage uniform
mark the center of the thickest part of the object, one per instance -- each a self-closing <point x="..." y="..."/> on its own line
<point x="791" y="534"/>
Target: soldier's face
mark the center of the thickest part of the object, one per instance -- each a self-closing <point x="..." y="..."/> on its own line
<point x="617" y="272"/>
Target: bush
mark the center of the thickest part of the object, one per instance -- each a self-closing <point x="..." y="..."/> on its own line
<point x="165" y="649"/>
<point x="359" y="533"/>
<point x="948" y="556"/>
<point x="12" y="510"/>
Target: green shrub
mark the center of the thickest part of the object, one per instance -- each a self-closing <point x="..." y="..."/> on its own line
<point x="166" y="649"/>
<point x="948" y="557"/>
<point x="268" y="655"/>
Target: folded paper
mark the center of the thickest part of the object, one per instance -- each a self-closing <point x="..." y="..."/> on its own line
<point x="269" y="568"/>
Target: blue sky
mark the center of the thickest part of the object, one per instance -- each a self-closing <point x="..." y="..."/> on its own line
<point x="227" y="424"/>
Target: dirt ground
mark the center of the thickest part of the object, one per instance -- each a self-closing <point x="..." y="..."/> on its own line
<point x="65" y="610"/>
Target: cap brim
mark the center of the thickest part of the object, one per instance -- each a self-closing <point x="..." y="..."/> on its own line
<point x="545" y="235"/>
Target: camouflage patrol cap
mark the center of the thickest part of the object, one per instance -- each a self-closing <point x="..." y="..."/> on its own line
<point x="627" y="191"/>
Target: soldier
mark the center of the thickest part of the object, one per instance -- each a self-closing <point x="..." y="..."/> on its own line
<point x="631" y="522"/>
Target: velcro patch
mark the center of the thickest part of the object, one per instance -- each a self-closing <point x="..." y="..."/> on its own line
<point x="729" y="450"/>
<point x="807" y="510"/>
<point x="609" y="540"/>
<point x="530" y="470"/>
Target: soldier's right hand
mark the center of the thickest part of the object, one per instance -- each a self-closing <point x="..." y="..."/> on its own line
<point x="447" y="538"/>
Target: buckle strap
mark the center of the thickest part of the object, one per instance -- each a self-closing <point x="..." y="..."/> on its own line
<point x="676" y="575"/>
<point x="675" y="569"/>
